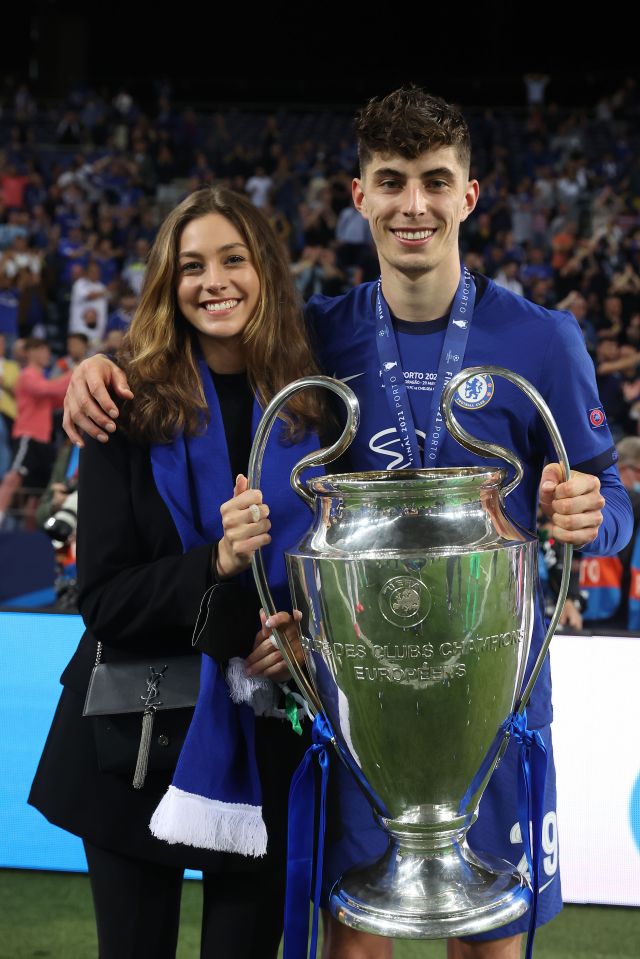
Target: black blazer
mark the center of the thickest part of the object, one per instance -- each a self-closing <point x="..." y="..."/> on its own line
<point x="138" y="593"/>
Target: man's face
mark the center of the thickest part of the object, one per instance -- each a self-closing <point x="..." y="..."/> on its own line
<point x="630" y="475"/>
<point x="415" y="208"/>
<point x="40" y="355"/>
<point x="76" y="348"/>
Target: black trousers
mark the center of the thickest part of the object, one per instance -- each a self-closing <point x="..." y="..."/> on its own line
<point x="137" y="906"/>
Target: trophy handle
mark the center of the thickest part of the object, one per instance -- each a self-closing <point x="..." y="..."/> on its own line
<point x="482" y="448"/>
<point x="318" y="458"/>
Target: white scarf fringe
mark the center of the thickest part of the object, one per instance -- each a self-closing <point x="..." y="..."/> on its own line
<point x="209" y="823"/>
<point x="259" y="693"/>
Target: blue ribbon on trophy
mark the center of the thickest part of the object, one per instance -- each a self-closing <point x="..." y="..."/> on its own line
<point x="302" y="810"/>
<point x="532" y="774"/>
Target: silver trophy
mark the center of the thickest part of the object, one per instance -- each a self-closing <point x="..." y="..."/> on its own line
<point x="416" y="594"/>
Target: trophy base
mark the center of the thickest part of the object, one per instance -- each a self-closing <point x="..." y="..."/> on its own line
<point x="445" y="892"/>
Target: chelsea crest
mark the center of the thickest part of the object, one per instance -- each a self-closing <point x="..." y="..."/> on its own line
<point x="475" y="392"/>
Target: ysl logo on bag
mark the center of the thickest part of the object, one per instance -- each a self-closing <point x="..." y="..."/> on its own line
<point x="153" y="682"/>
<point x="151" y="703"/>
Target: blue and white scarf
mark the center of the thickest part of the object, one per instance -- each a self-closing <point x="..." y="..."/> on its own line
<point x="214" y="801"/>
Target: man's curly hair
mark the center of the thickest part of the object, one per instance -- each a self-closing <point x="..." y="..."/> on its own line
<point x="408" y="122"/>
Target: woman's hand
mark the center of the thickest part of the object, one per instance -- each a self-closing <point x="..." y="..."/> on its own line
<point x="266" y="659"/>
<point x="246" y="528"/>
<point x="88" y="404"/>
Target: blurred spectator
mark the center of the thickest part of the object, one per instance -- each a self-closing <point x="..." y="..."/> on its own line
<point x="9" y="371"/>
<point x="258" y="186"/>
<point x="121" y="317"/>
<point x="136" y="265"/>
<point x="77" y="351"/>
<point x="535" y="84"/>
<point x="612" y="583"/>
<point x="72" y="249"/>
<point x="318" y="219"/>
<point x="36" y="398"/>
<point x="562" y="245"/>
<point x="610" y="365"/>
<point x="316" y="272"/>
<point x="353" y="236"/>
<point x="575" y="303"/>
<point x="107" y="261"/>
<point x="89" y="305"/>
<point x="70" y="129"/>
<point x="112" y="343"/>
<point x="507" y="276"/>
<point x="12" y="186"/>
<point x="535" y="268"/>
<point x="33" y="309"/>
<point x="19" y="352"/>
<point x="611" y="322"/>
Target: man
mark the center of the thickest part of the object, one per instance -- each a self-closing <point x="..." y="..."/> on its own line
<point x="89" y="305"/>
<point x="36" y="398"/>
<point x="77" y="351"/>
<point x="414" y="190"/>
<point x="9" y="372"/>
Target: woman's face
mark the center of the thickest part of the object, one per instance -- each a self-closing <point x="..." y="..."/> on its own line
<point x="217" y="288"/>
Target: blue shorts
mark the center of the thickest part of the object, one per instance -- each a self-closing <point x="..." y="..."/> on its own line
<point x="354" y="838"/>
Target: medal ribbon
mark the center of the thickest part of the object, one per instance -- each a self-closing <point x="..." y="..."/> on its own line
<point x="451" y="360"/>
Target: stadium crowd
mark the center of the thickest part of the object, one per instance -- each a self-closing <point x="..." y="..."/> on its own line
<point x="84" y="184"/>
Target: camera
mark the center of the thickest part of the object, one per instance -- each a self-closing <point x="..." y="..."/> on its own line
<point x="62" y="525"/>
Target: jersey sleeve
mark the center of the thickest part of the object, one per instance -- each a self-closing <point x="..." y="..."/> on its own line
<point x="617" y="525"/>
<point x="568" y="384"/>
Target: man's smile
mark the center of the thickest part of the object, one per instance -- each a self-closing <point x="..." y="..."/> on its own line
<point x="414" y="235"/>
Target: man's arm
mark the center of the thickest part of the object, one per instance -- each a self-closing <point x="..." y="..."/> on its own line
<point x="40" y="386"/>
<point x="88" y="404"/>
<point x="577" y="507"/>
<point x="593" y="513"/>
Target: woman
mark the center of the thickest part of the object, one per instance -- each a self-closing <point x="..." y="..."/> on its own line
<point x="161" y="521"/>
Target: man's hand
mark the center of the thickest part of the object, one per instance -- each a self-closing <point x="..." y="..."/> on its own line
<point x="574" y="507"/>
<point x="88" y="404"/>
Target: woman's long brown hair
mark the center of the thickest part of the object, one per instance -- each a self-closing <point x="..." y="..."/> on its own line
<point x="158" y="353"/>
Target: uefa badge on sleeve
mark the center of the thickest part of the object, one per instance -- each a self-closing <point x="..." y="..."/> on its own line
<point x="475" y="392"/>
<point x="597" y="417"/>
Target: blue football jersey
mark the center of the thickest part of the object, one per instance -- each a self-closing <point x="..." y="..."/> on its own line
<point x="546" y="347"/>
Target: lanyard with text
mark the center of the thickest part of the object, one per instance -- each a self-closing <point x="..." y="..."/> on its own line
<point x="451" y="360"/>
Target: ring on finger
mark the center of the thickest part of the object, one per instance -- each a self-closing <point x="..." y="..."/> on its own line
<point x="254" y="511"/>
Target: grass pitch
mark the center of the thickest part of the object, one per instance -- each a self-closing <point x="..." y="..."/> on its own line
<point x="50" y="916"/>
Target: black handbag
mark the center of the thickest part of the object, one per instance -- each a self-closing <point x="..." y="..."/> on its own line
<point x="141" y="710"/>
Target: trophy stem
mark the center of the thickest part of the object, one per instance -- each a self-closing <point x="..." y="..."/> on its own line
<point x="430" y="886"/>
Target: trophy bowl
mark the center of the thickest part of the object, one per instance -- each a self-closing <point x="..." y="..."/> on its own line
<point x="416" y="594"/>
